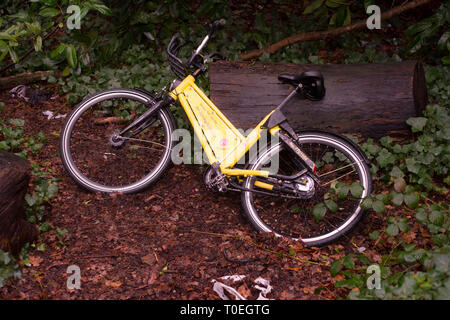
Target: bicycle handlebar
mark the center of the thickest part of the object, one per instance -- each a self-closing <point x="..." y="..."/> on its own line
<point x="216" y="25"/>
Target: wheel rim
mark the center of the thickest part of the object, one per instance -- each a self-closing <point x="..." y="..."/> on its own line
<point x="255" y="207"/>
<point x="96" y="164"/>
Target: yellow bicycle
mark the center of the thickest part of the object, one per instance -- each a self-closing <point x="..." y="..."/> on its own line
<point x="304" y="185"/>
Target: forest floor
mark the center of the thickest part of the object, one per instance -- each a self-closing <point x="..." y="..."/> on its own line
<point x="168" y="242"/>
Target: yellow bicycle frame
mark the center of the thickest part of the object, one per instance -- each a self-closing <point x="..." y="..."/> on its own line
<point x="222" y="142"/>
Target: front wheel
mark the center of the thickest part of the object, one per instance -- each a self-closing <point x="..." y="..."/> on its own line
<point x="326" y="212"/>
<point x="100" y="160"/>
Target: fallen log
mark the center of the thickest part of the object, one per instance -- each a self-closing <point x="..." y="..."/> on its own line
<point x="26" y="78"/>
<point x="372" y="100"/>
<point x="14" y="178"/>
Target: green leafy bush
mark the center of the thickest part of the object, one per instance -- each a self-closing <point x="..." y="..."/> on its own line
<point x="8" y="268"/>
<point x="415" y="172"/>
<point x="426" y="33"/>
<point x="438" y="83"/>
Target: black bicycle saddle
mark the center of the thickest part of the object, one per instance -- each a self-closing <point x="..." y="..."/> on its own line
<point x="312" y="83"/>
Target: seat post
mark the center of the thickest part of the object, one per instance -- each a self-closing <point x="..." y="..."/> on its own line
<point x="289" y="97"/>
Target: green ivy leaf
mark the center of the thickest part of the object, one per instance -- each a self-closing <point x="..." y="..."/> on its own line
<point x="336" y="267"/>
<point x="342" y="190"/>
<point x="436" y="217"/>
<point x="31" y="200"/>
<point x="49" y="12"/>
<point x="446" y="60"/>
<point x="13" y="55"/>
<point x="399" y="185"/>
<point x="102" y="9"/>
<point x="71" y="56"/>
<point x="374" y="235"/>
<point x="403" y="224"/>
<point x="348" y="262"/>
<point x="331" y="205"/>
<point x="4" y="145"/>
<point x="17" y="122"/>
<point x="412" y="165"/>
<point x="396" y="172"/>
<point x="378" y="206"/>
<point x="44" y="227"/>
<point x="411" y="200"/>
<point x="38" y="44"/>
<point x="366" y="204"/>
<point x="356" y="190"/>
<point x="417" y="123"/>
<point x="59" y="49"/>
<point x="313" y="6"/>
<point x="421" y="215"/>
<point x="386" y="141"/>
<point x="392" y="230"/>
<point x="397" y="198"/>
<point x="319" y="211"/>
<point x="61" y="232"/>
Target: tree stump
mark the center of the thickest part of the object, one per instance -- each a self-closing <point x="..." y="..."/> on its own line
<point x="15" y="231"/>
<point x="372" y="100"/>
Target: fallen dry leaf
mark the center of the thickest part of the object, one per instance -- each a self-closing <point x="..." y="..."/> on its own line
<point x="244" y="291"/>
<point x="149" y="259"/>
<point x="113" y="284"/>
<point x="35" y="261"/>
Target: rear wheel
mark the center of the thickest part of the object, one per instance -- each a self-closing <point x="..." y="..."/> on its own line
<point x="98" y="159"/>
<point x="318" y="217"/>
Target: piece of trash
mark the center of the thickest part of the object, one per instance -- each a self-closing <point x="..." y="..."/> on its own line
<point x="149" y="36"/>
<point x="49" y="115"/>
<point x="265" y="288"/>
<point x="31" y="95"/>
<point x="261" y="284"/>
<point x="220" y="289"/>
<point x="361" y="249"/>
<point x="234" y="277"/>
<point x="19" y="92"/>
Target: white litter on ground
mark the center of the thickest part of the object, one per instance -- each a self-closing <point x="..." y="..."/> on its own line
<point x="234" y="277"/>
<point x="219" y="288"/>
<point x="265" y="288"/>
<point x="49" y="115"/>
<point x="261" y="284"/>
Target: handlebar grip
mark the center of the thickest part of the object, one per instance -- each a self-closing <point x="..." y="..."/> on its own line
<point x="220" y="23"/>
<point x="217" y="25"/>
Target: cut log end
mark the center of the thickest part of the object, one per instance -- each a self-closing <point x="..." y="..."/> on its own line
<point x="420" y="93"/>
<point x="15" y="231"/>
